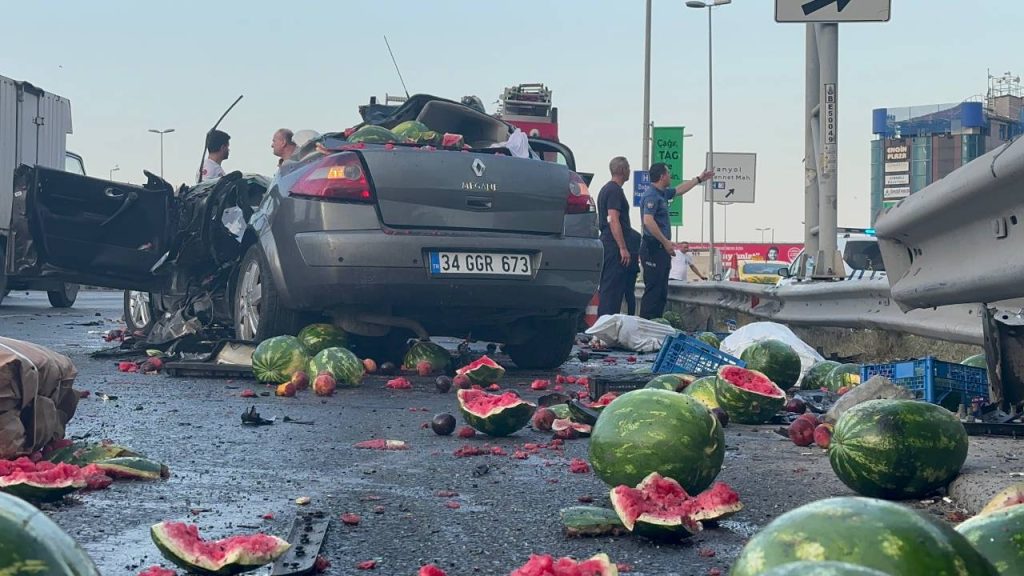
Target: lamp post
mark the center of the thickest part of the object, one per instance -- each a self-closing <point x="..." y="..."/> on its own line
<point x="709" y="191"/>
<point x="161" y="133"/>
<point x="765" y="229"/>
<point x="112" y="170"/>
<point x="646" y="158"/>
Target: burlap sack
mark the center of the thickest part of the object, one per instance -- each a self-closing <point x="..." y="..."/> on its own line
<point x="36" y="398"/>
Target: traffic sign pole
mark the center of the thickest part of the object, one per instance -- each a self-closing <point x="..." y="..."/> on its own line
<point x="812" y="82"/>
<point x="828" y="117"/>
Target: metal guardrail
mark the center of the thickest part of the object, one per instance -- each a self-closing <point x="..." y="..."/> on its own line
<point x="960" y="239"/>
<point x="845" y="304"/>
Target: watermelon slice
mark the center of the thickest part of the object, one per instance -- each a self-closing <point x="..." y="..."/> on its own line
<point x="660" y="508"/>
<point x="482" y="371"/>
<point x="180" y="543"/>
<point x="494" y="414"/>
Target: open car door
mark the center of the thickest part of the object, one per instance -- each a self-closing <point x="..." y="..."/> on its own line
<point x="74" y="228"/>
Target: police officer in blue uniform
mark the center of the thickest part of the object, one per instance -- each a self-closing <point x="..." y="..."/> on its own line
<point x="656" y="249"/>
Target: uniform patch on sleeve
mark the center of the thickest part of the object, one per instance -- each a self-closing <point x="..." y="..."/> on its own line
<point x="650" y="204"/>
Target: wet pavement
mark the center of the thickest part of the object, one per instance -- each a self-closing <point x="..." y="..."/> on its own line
<point x="226" y="477"/>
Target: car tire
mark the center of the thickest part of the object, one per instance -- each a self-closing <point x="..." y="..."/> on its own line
<point x="63" y="298"/>
<point x="140" y="310"/>
<point x="549" y="346"/>
<point x="258" y="310"/>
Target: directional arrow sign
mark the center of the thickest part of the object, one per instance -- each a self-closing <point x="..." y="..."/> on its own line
<point x="735" y="176"/>
<point x="832" y="10"/>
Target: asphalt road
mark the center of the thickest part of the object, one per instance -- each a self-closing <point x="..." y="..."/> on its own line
<point x="225" y="477"/>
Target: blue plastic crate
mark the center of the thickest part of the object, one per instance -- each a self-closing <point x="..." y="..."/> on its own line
<point x="933" y="380"/>
<point x="681" y="354"/>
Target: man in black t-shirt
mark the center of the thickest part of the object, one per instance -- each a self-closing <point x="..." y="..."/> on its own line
<point x="618" y="275"/>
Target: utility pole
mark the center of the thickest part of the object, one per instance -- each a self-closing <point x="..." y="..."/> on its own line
<point x="646" y="158"/>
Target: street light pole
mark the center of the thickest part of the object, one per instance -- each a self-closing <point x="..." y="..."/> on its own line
<point x="709" y="197"/>
<point x="646" y="158"/>
<point x="161" y="133"/>
<point x="112" y="170"/>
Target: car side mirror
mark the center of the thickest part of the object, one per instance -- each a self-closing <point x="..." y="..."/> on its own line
<point x="784" y="272"/>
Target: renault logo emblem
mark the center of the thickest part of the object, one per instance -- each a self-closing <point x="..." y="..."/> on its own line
<point x="478" y="168"/>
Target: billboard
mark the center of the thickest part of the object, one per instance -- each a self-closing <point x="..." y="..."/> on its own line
<point x="752" y="251"/>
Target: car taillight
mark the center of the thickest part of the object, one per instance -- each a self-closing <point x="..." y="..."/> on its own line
<point x="579" y="201"/>
<point x="336" y="177"/>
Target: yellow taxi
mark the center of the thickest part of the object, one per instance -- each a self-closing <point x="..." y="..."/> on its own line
<point x="760" y="271"/>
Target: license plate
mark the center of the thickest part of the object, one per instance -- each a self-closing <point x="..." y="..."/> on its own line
<point x="480" y="263"/>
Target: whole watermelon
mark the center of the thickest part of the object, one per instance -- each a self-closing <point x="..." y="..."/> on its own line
<point x="999" y="536"/>
<point x="776" y="360"/>
<point x="427" y="351"/>
<point x="843" y="376"/>
<point x="675" y="319"/>
<point x="811" y="568"/>
<point x="651" y="430"/>
<point x="346" y="368"/>
<point x="710" y="339"/>
<point x="34" y="544"/>
<point x="816" y="377"/>
<point x="416" y="131"/>
<point x="276" y="359"/>
<point x="374" y="135"/>
<point x="705" y="391"/>
<point x="897" y="449"/>
<point x="317" y="337"/>
<point x="978" y="361"/>
<point x="885" y="536"/>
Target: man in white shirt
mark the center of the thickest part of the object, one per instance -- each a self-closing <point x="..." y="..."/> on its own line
<point x="218" y="148"/>
<point x="682" y="262"/>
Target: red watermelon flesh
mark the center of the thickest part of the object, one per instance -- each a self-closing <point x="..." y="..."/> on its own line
<point x="482" y="371"/>
<point x="663" y="502"/>
<point x="751" y="381"/>
<point x="157" y="571"/>
<point x="547" y="565"/>
<point x="486" y="405"/>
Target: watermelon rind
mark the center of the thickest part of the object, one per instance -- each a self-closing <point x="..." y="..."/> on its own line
<point x="885" y="536"/>
<point x="705" y="391"/>
<point x="561" y="411"/>
<point x="482" y="371"/>
<point x="133" y="467"/>
<point x="649" y="430"/>
<point x="999" y="536"/>
<point x="318" y="337"/>
<point x="897" y="449"/>
<point x="843" y="376"/>
<point x="498" y="422"/>
<point x="82" y="453"/>
<point x="341" y="363"/>
<point x="580" y="521"/>
<point x="427" y="351"/>
<point x="746" y="406"/>
<point x="663" y="491"/>
<point x="817" y="375"/>
<point x="1012" y="495"/>
<point x="811" y="568"/>
<point x="276" y="359"/>
<point x="34" y="544"/>
<point x="776" y="360"/>
<point x="238" y="557"/>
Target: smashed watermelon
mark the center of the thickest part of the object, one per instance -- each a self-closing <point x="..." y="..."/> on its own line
<point x="547" y="565"/>
<point x="429" y="352"/>
<point x="42" y="481"/>
<point x="660" y="508"/>
<point x="180" y="543"/>
<point x="482" y="371"/>
<point x="748" y="396"/>
<point x="494" y="414"/>
<point x="1012" y="495"/>
<point x="276" y="359"/>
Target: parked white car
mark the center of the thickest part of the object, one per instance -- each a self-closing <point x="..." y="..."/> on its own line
<point x="862" y="258"/>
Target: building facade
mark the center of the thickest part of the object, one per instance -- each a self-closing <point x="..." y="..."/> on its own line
<point x="916" y="146"/>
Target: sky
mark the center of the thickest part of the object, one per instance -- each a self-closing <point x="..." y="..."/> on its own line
<point x="128" y="67"/>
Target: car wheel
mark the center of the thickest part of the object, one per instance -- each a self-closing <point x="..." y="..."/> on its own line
<point x="549" y="346"/>
<point x="139" y="310"/>
<point x="65" y="297"/>
<point x="258" y="311"/>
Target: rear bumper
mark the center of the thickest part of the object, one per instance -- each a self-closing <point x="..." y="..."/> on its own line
<point x="331" y="269"/>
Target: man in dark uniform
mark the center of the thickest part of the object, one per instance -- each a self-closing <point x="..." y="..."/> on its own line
<point x="619" y="261"/>
<point x="656" y="250"/>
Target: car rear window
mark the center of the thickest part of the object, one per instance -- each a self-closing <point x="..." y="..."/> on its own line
<point x="761" y="268"/>
<point x="864" y="255"/>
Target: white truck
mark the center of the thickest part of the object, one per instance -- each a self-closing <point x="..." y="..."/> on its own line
<point x="34" y="125"/>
